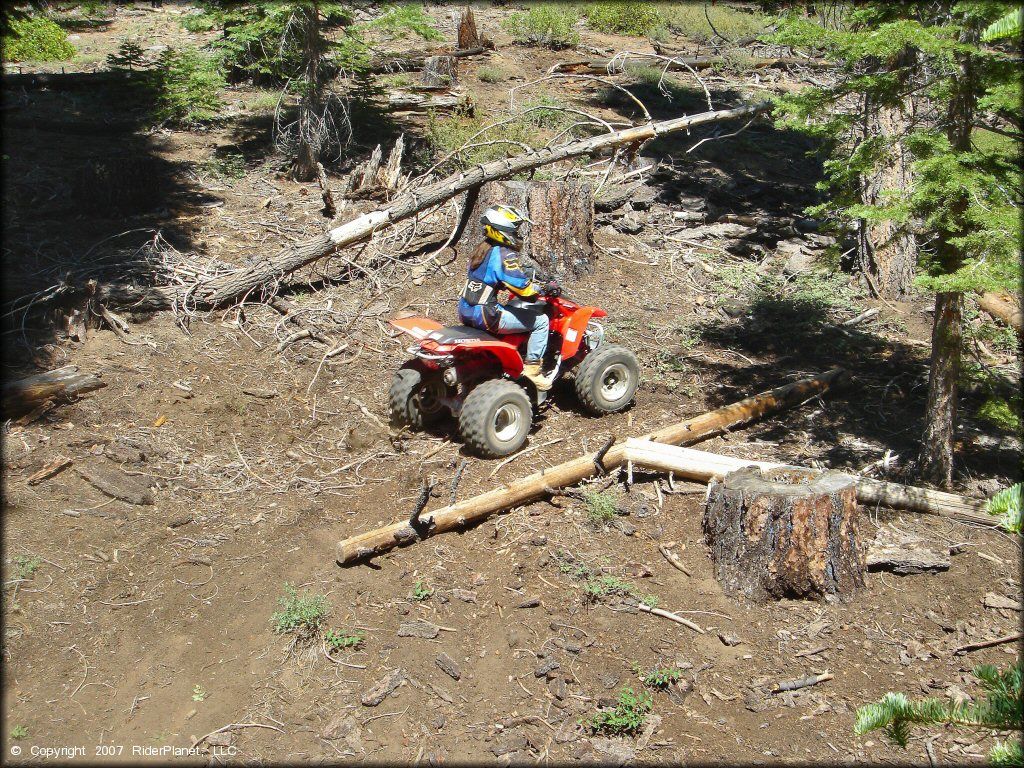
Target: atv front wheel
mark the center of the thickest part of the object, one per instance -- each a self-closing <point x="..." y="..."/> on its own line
<point x="607" y="378"/>
<point x="413" y="398"/>
<point x="496" y="418"/>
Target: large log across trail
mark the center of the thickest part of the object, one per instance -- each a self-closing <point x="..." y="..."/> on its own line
<point x="703" y="466"/>
<point x="571" y="472"/>
<point x="268" y="270"/>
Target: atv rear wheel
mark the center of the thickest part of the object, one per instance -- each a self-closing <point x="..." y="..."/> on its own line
<point x="607" y="379"/>
<point x="496" y="418"/>
<point x="413" y="398"/>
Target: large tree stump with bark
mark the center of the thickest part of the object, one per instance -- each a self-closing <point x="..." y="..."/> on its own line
<point x="561" y="239"/>
<point x="784" y="533"/>
<point x="440" y="71"/>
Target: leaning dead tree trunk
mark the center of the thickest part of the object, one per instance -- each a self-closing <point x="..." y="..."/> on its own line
<point x="561" y="239"/>
<point x="784" y="533"/>
<point x="266" y="271"/>
<point x="571" y="472"/>
<point x="60" y="385"/>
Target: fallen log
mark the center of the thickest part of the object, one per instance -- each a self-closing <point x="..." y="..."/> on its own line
<point x="680" y="64"/>
<point x="418" y="62"/>
<point x="1002" y="307"/>
<point x="571" y="472"/>
<point x="62" y="385"/>
<point x="269" y="270"/>
<point x="704" y="466"/>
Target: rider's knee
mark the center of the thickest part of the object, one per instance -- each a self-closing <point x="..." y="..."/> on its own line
<point x="542" y="321"/>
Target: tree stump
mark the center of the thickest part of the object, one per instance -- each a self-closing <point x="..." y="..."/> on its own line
<point x="440" y="71"/>
<point x="784" y="533"/>
<point x="561" y="239"/>
<point x="468" y="35"/>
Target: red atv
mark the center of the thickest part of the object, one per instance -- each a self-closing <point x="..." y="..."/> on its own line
<point x="477" y="378"/>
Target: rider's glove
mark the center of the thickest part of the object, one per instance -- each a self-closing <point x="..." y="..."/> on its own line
<point x="551" y="289"/>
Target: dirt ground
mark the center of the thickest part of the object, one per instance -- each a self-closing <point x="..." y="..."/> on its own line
<point x="140" y="629"/>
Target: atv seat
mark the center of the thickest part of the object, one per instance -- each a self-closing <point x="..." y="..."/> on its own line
<point x="455" y="333"/>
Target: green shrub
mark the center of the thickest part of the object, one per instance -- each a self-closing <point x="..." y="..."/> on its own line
<point x="230" y="165"/>
<point x="629" y="715"/>
<point x="129" y="56"/>
<point x="552" y="26"/>
<point x="638" y="19"/>
<point x="491" y="75"/>
<point x="19" y="732"/>
<point x="399" y="20"/>
<point x="36" y="39"/>
<point x="302" y="615"/>
<point x="1008" y="505"/>
<point x="688" y="19"/>
<point x="601" y="507"/>
<point x="188" y="86"/>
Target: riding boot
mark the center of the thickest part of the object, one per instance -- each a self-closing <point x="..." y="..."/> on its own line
<point x="532" y="372"/>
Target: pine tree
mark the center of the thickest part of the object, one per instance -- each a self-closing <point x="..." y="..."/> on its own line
<point x="1002" y="709"/>
<point x="961" y="196"/>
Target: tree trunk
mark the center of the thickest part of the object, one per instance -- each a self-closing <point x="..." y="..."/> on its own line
<point x="887" y="251"/>
<point x="784" y="533"/>
<point x="440" y="70"/>
<point x="468" y="35"/>
<point x="938" y="441"/>
<point x="311" y="105"/>
<point x="561" y="239"/>
<point x="940" y="429"/>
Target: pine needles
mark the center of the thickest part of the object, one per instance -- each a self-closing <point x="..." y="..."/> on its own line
<point x="1002" y="709"/>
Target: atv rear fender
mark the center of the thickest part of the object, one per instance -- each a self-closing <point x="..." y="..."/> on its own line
<point x="504" y="350"/>
<point x="573" y="327"/>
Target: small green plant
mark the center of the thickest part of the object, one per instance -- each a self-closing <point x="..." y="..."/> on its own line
<point x="188" y="85"/>
<point x="638" y="19"/>
<point x="601" y="507"/>
<point x="628" y="716"/>
<point x="302" y="615"/>
<point x="336" y="641"/>
<point x="420" y="591"/>
<point x="1007" y="505"/>
<point x="491" y="75"/>
<point x="19" y="732"/>
<point x="1002" y="709"/>
<point x="198" y="693"/>
<point x="26" y="567"/>
<point x="571" y="567"/>
<point x="227" y="166"/>
<point x="129" y="56"/>
<point x="544" y="24"/>
<point x="603" y="586"/>
<point x="36" y="39"/>
<point x="399" y="80"/>
<point x="661" y="677"/>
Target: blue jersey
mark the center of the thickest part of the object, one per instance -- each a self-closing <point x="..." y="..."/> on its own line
<point x="501" y="268"/>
